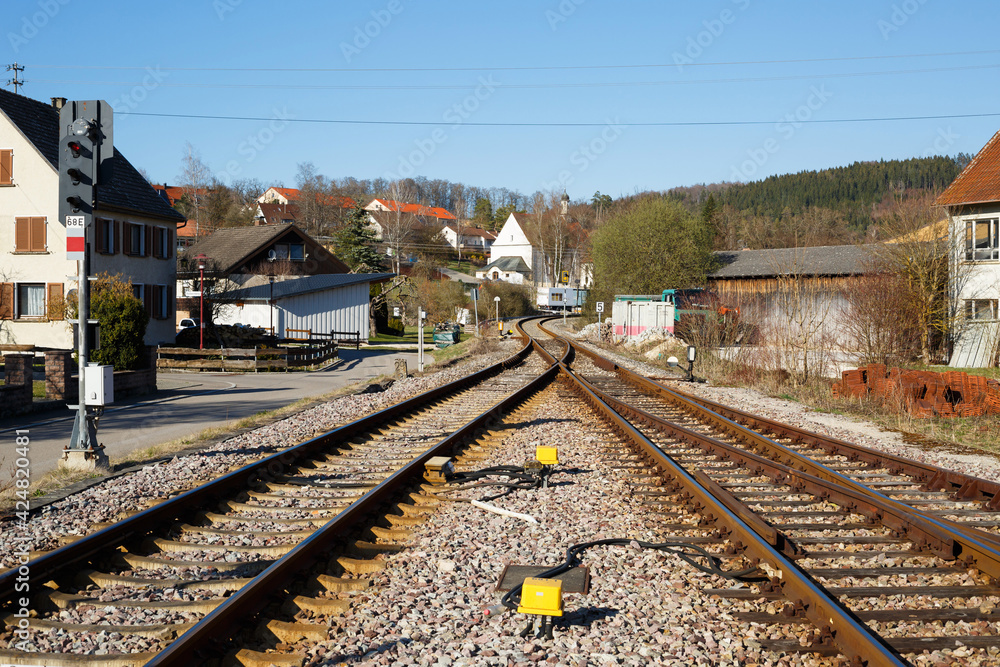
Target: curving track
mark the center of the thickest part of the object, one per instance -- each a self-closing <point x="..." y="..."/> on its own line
<point x="909" y="549"/>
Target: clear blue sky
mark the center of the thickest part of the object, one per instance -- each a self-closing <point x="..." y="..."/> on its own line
<point x="871" y="59"/>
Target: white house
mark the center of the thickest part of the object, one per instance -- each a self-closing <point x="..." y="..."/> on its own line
<point x="322" y="304"/>
<point x="512" y="255"/>
<point x="973" y="205"/>
<point x="515" y="259"/>
<point x="472" y="239"/>
<point x="133" y="233"/>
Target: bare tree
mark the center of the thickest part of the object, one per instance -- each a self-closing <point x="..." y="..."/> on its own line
<point x="919" y="249"/>
<point x="397" y="225"/>
<point x="195" y="178"/>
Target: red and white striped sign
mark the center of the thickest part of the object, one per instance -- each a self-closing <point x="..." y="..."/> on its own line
<point x="76" y="239"/>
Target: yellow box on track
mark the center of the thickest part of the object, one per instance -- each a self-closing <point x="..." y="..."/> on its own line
<point x="542" y="597"/>
<point x="547" y="455"/>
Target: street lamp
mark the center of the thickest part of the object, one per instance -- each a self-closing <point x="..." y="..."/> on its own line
<point x="270" y="301"/>
<point x="201" y="299"/>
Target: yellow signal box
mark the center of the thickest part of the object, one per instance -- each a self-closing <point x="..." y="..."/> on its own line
<point x="547" y="455"/>
<point x="541" y="596"/>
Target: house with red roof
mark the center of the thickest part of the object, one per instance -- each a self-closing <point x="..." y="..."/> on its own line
<point x="972" y="202"/>
<point x="190" y="231"/>
<point x="288" y="196"/>
<point x="380" y="210"/>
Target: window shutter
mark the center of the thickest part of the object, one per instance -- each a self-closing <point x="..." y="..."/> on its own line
<point x="117" y="226"/>
<point x="170" y="242"/>
<point x="156" y="302"/>
<point x="148" y="240"/>
<point x="6" y="167"/>
<point x="6" y="301"/>
<point x="147" y="299"/>
<point x="171" y="303"/>
<point x="99" y="236"/>
<point x="126" y="238"/>
<point x="56" y="305"/>
<point x="37" y="234"/>
<point x="22" y="234"/>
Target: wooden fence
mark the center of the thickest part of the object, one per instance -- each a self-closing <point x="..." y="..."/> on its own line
<point x="246" y="359"/>
<point x="344" y="338"/>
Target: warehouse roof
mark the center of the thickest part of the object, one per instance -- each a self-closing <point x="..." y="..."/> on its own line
<point x="297" y="286"/>
<point x="839" y="260"/>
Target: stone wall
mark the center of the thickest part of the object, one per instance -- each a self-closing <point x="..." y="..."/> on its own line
<point x="15" y="393"/>
<point x="62" y="384"/>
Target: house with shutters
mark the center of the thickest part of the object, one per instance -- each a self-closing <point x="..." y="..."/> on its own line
<point x="134" y="233"/>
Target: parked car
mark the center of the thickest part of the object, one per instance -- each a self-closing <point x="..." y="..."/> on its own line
<point x="188" y="323"/>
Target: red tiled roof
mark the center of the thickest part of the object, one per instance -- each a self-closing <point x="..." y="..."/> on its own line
<point x="979" y="182"/>
<point x="293" y="194"/>
<point x="174" y="192"/>
<point x="417" y="209"/>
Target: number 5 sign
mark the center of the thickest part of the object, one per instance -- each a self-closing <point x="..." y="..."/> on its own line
<point x="600" y="306"/>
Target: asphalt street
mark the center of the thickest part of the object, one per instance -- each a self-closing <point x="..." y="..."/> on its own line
<point x="186" y="404"/>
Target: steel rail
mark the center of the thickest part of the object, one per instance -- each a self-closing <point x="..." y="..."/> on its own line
<point x="849" y="634"/>
<point x="41" y="569"/>
<point x="974" y="547"/>
<point x="203" y="640"/>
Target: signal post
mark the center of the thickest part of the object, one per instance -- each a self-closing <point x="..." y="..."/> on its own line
<point x="86" y="149"/>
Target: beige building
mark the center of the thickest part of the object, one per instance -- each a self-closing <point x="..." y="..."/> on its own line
<point x="133" y="234"/>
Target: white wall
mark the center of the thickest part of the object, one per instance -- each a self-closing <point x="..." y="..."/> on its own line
<point x="336" y="309"/>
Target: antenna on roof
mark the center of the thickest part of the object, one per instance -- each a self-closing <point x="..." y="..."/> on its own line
<point x="15" y="81"/>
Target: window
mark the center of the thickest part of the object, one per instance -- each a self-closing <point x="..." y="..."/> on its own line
<point x="981" y="240"/>
<point x="29" y="235"/>
<point x="30" y="301"/>
<point x="161" y="242"/>
<point x="6" y="166"/>
<point x="138" y="291"/>
<point x="297" y="252"/>
<point x="981" y="309"/>
<point x="160" y="302"/>
<point x="138" y="239"/>
<point x="106" y="237"/>
<point x="281" y="251"/>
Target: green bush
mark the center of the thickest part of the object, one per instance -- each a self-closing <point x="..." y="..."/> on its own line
<point x="393" y="327"/>
<point x="123" y="320"/>
<point x="515" y="300"/>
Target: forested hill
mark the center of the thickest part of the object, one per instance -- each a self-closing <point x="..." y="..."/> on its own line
<point x="850" y="191"/>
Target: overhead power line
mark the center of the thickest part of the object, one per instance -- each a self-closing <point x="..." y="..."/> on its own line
<point x="524" y="86"/>
<point x="523" y="69"/>
<point x="336" y="121"/>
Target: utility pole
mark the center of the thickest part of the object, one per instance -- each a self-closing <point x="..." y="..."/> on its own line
<point x="15" y="81"/>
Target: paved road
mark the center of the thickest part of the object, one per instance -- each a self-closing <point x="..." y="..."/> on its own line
<point x="187" y="404"/>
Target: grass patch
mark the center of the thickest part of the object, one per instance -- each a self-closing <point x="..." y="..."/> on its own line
<point x="410" y="336"/>
<point x="38" y="389"/>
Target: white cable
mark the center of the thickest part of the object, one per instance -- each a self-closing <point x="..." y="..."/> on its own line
<point x="497" y="510"/>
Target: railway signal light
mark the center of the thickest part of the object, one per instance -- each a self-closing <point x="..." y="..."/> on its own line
<point x="77" y="167"/>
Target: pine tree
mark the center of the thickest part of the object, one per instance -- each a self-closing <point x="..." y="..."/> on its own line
<point x="355" y="243"/>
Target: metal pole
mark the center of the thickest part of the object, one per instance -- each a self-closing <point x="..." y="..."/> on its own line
<point x="475" y="306"/>
<point x="81" y="432"/>
<point x="201" y="306"/>
<point x="420" y="339"/>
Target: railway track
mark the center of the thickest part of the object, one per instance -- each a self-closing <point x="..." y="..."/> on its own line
<point x="907" y="548"/>
<point x="172" y="583"/>
<point x="305" y="557"/>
